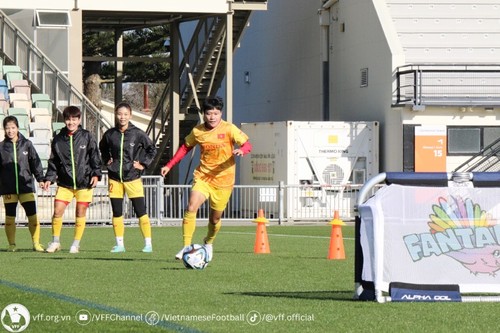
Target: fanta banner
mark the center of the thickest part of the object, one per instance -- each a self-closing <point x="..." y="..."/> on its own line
<point x="432" y="235"/>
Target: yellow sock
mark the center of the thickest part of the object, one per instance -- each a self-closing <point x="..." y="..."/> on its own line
<point x="57" y="226"/>
<point x="10" y="229"/>
<point x="188" y="227"/>
<point x="79" y="227"/>
<point x="145" y="226"/>
<point x="213" y="229"/>
<point x="118" y="226"/>
<point x="34" y="228"/>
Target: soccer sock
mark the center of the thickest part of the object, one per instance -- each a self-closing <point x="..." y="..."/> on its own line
<point x="34" y="228"/>
<point x="119" y="230"/>
<point x="10" y="229"/>
<point x="188" y="227"/>
<point x="213" y="229"/>
<point x="145" y="226"/>
<point x="56" y="228"/>
<point x="79" y="227"/>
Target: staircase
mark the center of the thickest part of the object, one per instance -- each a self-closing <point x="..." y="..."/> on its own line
<point x="487" y="160"/>
<point x="202" y="67"/>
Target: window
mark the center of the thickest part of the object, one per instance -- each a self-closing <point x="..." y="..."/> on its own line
<point x="52" y="19"/>
<point x="470" y="140"/>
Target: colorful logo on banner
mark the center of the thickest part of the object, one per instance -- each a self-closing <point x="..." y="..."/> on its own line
<point x="461" y="230"/>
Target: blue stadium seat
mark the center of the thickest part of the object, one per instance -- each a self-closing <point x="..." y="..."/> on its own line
<point x="4" y="89"/>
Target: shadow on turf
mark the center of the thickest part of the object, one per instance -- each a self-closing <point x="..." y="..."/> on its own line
<point x="49" y="257"/>
<point x="327" y="295"/>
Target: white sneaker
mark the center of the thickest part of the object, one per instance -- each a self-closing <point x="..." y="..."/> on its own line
<point x="74" y="249"/>
<point x="53" y="247"/>
<point x="210" y="250"/>
<point x="179" y="254"/>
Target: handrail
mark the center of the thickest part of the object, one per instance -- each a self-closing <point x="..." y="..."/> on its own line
<point x="448" y="84"/>
<point x="46" y="77"/>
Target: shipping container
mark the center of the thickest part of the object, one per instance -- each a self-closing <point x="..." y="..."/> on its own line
<point x="321" y="158"/>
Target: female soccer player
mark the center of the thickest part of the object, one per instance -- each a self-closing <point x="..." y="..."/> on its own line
<point x="127" y="151"/>
<point x="19" y="162"/>
<point x="214" y="177"/>
<point x="75" y="165"/>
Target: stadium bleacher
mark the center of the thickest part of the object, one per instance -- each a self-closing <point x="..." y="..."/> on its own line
<point x="12" y="73"/>
<point x="32" y="110"/>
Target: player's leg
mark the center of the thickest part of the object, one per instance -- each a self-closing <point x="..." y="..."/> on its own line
<point x="28" y="202"/>
<point x="62" y="199"/>
<point x="218" y="202"/>
<point x="116" y="193"/>
<point x="135" y="191"/>
<point x="83" y="200"/>
<point x="10" y="205"/>
<point x="199" y="194"/>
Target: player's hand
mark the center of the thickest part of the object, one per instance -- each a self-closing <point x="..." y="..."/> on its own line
<point x="45" y="185"/>
<point x="238" y="152"/>
<point x="138" y="165"/>
<point x="164" y="171"/>
<point x="93" y="181"/>
<point x="110" y="161"/>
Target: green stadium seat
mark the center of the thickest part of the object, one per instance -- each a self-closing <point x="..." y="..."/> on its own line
<point x="17" y="111"/>
<point x="57" y="126"/>
<point x="42" y="101"/>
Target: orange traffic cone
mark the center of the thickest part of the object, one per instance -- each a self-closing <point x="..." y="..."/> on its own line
<point x="261" y="241"/>
<point x="336" y="250"/>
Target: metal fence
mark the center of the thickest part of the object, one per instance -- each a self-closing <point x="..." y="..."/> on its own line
<point x="454" y="84"/>
<point x="166" y="204"/>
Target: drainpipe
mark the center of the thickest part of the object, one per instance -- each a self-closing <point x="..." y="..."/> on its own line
<point x="324" y="22"/>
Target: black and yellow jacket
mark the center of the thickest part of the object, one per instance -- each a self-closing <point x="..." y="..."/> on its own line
<point x="74" y="159"/>
<point x="124" y="148"/>
<point x="19" y="162"/>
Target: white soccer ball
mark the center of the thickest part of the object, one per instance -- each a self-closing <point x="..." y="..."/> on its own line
<point x="195" y="257"/>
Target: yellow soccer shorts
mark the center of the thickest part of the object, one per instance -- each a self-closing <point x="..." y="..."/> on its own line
<point x="66" y="195"/>
<point x="134" y="189"/>
<point x="22" y="198"/>
<point x="219" y="197"/>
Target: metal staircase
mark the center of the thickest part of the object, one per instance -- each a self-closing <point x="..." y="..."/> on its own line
<point x="202" y="70"/>
<point x="487" y="160"/>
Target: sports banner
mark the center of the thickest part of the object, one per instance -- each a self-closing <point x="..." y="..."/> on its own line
<point x="432" y="235"/>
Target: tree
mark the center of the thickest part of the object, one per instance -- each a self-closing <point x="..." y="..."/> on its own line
<point x="148" y="42"/>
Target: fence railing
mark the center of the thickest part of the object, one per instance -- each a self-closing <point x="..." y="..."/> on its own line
<point x="435" y="84"/>
<point x="166" y="204"/>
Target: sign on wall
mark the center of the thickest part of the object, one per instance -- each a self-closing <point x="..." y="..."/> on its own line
<point x="430" y="148"/>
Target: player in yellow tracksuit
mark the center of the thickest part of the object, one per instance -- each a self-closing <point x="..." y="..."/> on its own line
<point x="215" y="175"/>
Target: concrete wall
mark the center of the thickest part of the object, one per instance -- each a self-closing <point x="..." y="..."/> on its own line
<point x="280" y="50"/>
<point x="361" y="38"/>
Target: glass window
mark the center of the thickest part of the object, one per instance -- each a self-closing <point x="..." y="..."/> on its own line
<point x="491" y="134"/>
<point x="464" y="140"/>
<point x="52" y="19"/>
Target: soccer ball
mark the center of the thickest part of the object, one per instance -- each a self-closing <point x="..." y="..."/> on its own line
<point x="195" y="257"/>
